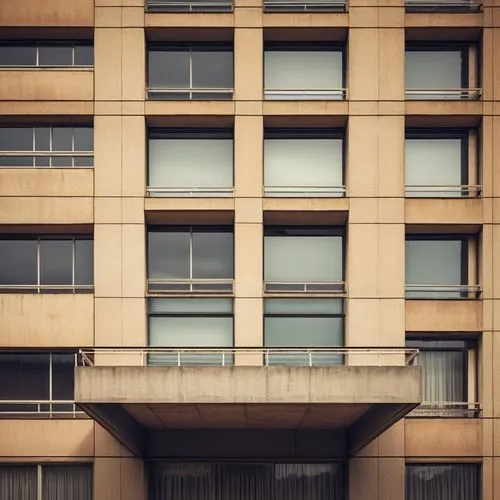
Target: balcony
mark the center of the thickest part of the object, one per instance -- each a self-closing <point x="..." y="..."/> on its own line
<point x="459" y="6"/>
<point x="139" y="392"/>
<point x="189" y="6"/>
<point x="305" y="6"/>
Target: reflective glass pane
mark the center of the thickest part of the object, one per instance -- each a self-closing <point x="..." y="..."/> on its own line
<point x="303" y="258"/>
<point x="62" y="161"/>
<point x="433" y="69"/>
<point x="16" y="139"/>
<point x="301" y="69"/>
<point x="168" y="69"/>
<point x="84" y="55"/>
<point x="18" y="262"/>
<point x="168" y="255"/>
<point x="56" y="262"/>
<point x="212" y="255"/>
<point x="303" y="306"/>
<point x="42" y="139"/>
<point x="55" y="55"/>
<point x="63" y="373"/>
<point x="42" y="161"/>
<point x="189" y="305"/>
<point x="16" y="161"/>
<point x="84" y="262"/>
<point x="17" y="55"/>
<point x="84" y="138"/>
<point x="62" y="139"/>
<point x="191" y="163"/>
<point x="83" y="161"/>
<point x="212" y="69"/>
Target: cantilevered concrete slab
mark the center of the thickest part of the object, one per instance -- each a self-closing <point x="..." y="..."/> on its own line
<point x="133" y="402"/>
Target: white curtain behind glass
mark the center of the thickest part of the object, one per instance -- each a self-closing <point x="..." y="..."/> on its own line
<point x="64" y="482"/>
<point x="18" y="482"/>
<point x="303" y="162"/>
<point x="433" y="69"/>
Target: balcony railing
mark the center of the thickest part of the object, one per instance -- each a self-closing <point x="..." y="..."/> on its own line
<point x="443" y="191"/>
<point x="4" y="288"/>
<point x="443" y="5"/>
<point x="305" y="94"/>
<point x="336" y="287"/>
<point x="469" y="94"/>
<point x="305" y="192"/>
<point x="427" y="291"/>
<point x="161" y="356"/>
<point x="49" y="157"/>
<point x="200" y="286"/>
<point x="189" y="192"/>
<point x="186" y="94"/>
<point x="447" y="409"/>
<point x="305" y="5"/>
<point x="39" y="409"/>
<point x="189" y="6"/>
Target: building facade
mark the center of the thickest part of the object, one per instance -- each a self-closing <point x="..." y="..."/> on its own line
<point x="249" y="250"/>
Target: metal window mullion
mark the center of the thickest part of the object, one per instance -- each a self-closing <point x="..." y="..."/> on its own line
<point x="191" y="254"/>
<point x="50" y="384"/>
<point x="73" y="146"/>
<point x="39" y="482"/>
<point x="73" y="54"/>
<point x="37" y="55"/>
<point x="190" y="72"/>
<point x="73" y="247"/>
<point x="51" y="131"/>
<point x="38" y="264"/>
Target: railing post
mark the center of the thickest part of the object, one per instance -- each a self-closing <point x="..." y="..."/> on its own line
<point x="223" y="358"/>
<point x="266" y="357"/>
<point x="178" y="358"/>
<point x="310" y="358"/>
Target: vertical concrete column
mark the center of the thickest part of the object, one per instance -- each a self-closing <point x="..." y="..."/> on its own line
<point x="248" y="58"/>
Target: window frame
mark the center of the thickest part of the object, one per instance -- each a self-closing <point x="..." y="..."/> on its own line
<point x="207" y="6"/>
<point x="39" y="288"/>
<point x="190" y="285"/>
<point x="305" y="94"/>
<point x="189" y="93"/>
<point x="189" y="134"/>
<point x="271" y="133"/>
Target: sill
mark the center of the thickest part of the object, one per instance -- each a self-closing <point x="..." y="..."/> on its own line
<point x="47" y="68"/>
<point x="45" y="290"/>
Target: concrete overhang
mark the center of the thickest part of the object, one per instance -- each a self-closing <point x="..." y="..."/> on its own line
<point x="132" y="402"/>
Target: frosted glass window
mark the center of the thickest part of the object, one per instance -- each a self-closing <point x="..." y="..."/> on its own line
<point x="433" y="69"/>
<point x="303" y="162"/>
<point x="303" y="258"/>
<point x="435" y="262"/>
<point x="434" y="162"/>
<point x="191" y="163"/>
<point x="303" y="69"/>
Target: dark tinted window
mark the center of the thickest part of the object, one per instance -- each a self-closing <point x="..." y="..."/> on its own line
<point x="55" y="55"/>
<point x="18" y="262"/>
<point x="56" y="262"/>
<point x="84" y="262"/>
<point x="63" y="366"/>
<point x="212" y="69"/>
<point x="169" y="68"/>
<point x="17" y="55"/>
<point x="84" y="139"/>
<point x="168" y="255"/>
<point x="16" y="139"/>
<point x="84" y="55"/>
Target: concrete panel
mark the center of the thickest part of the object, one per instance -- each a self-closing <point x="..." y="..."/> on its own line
<point x="248" y="265"/>
<point x="248" y="156"/>
<point x="433" y="438"/>
<point x="133" y="260"/>
<point x="46" y="320"/>
<point x="47" y="85"/>
<point x="363" y="479"/>
<point x="108" y="260"/>
<point x="444" y="211"/>
<point x="248" y="64"/>
<point x="134" y="170"/>
<point x="443" y="315"/>
<point x="108" y="64"/>
<point x="133" y="63"/>
<point x="363" y="68"/>
<point x="248" y="328"/>
<point x="32" y="439"/>
<point x="54" y="109"/>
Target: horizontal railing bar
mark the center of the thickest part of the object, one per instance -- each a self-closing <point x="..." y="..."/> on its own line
<point x="187" y="282"/>
<point x="307" y="188"/>
<point x="47" y="153"/>
<point x="190" y="90"/>
<point x="454" y="287"/>
<point x="477" y="187"/>
<point x="183" y="189"/>
<point x="305" y="2"/>
<point x="79" y="67"/>
<point x="47" y="287"/>
<point x="443" y="3"/>
<point x="168" y="3"/>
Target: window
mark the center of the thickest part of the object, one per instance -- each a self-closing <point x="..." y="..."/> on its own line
<point x="443" y="481"/>
<point x="191" y="259"/>
<point x="303" y="259"/>
<point x="46" y="481"/>
<point x="311" y="324"/>
<point x="307" y="71"/>
<point x="201" y="72"/>
<point x="46" y="264"/>
<point x="46" y="54"/>
<point x="443" y="5"/>
<point x="37" y="382"/>
<point x="441" y="267"/>
<point x="441" y="163"/>
<point x="449" y="376"/>
<point x="46" y="146"/>
<point x="303" y="163"/>
<point x="178" y="323"/>
<point x="189" y="5"/>
<point x="441" y="71"/>
<point x="245" y="481"/>
<point x="305" y="5"/>
<point x="190" y="162"/>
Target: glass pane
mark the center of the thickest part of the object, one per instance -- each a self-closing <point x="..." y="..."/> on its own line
<point x="17" y="55"/>
<point x="16" y="139"/>
<point x="433" y="69"/>
<point x="191" y="163"/>
<point x="212" y="69"/>
<point x="303" y="306"/>
<point x="303" y="258"/>
<point x="42" y="139"/>
<point x="84" y="138"/>
<point x="18" y="482"/>
<point x="84" y="161"/>
<point x="25" y="377"/>
<point x="433" y="162"/>
<point x="84" y="55"/>
<point x="62" y="161"/>
<point x="42" y="161"/>
<point x="303" y="69"/>
<point x="303" y="162"/>
<point x="55" y="55"/>
<point x="16" y="161"/>
<point x="62" y="139"/>
<point x="168" y="255"/>
<point x="84" y="262"/>
<point x="18" y="262"/>
<point x="63" y="373"/>
<point x="189" y="305"/>
<point x="64" y="482"/>
<point x="168" y="69"/>
<point x="56" y="262"/>
<point x="212" y="255"/>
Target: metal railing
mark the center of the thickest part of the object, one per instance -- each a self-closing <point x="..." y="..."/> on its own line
<point x="50" y="155"/>
<point x="305" y="94"/>
<point x="211" y="286"/>
<point x="189" y="192"/>
<point x="305" y="6"/>
<point x="470" y="94"/>
<point x="333" y="356"/>
<point x="47" y="288"/>
<point x="337" y="287"/>
<point x="189" y="6"/>
<point x="309" y="191"/>
<point x="442" y="291"/>
<point x="443" y="5"/>
<point x="447" y="409"/>
<point x="189" y="94"/>
<point x="448" y="191"/>
<point x="39" y="408"/>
